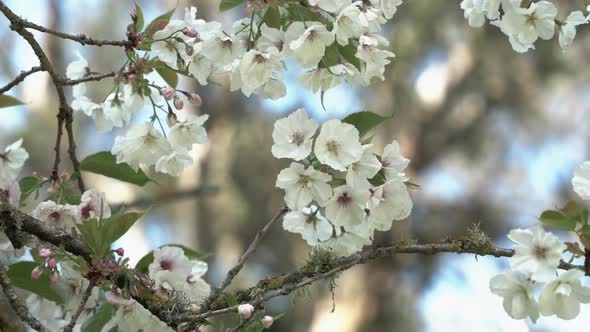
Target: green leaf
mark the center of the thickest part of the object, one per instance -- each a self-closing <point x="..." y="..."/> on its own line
<point x="331" y="56"/>
<point x="99" y="319"/>
<point x="20" y="276"/>
<point x="272" y="17"/>
<point x="145" y="261"/>
<point x="169" y="75"/>
<point x="229" y="4"/>
<point x="572" y="210"/>
<point x="303" y="14"/>
<point x="91" y="234"/>
<point x="349" y="53"/>
<point x="8" y="101"/>
<point x="116" y="226"/>
<point x="104" y="163"/>
<point x="557" y="219"/>
<point x="365" y="121"/>
<point x="139" y="23"/>
<point x="159" y="22"/>
<point x="29" y="185"/>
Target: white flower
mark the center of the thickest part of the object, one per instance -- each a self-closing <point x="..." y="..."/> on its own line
<point x="143" y="144"/>
<point x="120" y="106"/>
<point x="347" y="24"/>
<point x="12" y="160"/>
<point x="271" y="37"/>
<point x="191" y="285"/>
<point x="49" y="314"/>
<point x="537" y="252"/>
<point x="78" y="68"/>
<point x="310" y="46"/>
<point x="581" y="180"/>
<point x="562" y="297"/>
<point x="347" y="207"/>
<point x="54" y="214"/>
<point x="330" y="5"/>
<point x="292" y="136"/>
<point x="376" y="59"/>
<point x="134" y="317"/>
<point x="200" y="66"/>
<point x="185" y="134"/>
<point x="175" y="162"/>
<point x="517" y="292"/>
<point x="267" y="321"/>
<point x="390" y="201"/>
<point x="366" y="168"/>
<point x="308" y="222"/>
<point x="71" y="287"/>
<point x="167" y="49"/>
<point x="474" y="11"/>
<point x="170" y="259"/>
<point x="10" y="189"/>
<point x="320" y="79"/>
<point x="245" y="310"/>
<point x="256" y="67"/>
<point x="221" y="49"/>
<point x="389" y="7"/>
<point x="567" y="31"/>
<point x="338" y="145"/>
<point x="92" y="205"/>
<point x="274" y="88"/>
<point x="304" y="185"/>
<point x="393" y="162"/>
<point x="351" y="241"/>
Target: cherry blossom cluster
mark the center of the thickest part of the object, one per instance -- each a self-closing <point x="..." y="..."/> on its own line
<point x="523" y="21"/>
<point x="340" y="192"/>
<point x="143" y="144"/>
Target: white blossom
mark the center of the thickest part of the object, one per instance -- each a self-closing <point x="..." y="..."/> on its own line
<point x="519" y="302"/>
<point x="338" y="145"/>
<point x="537" y="252"/>
<point x="200" y="66"/>
<point x="350" y="241"/>
<point x="78" y="68"/>
<point x="57" y="215"/>
<point x="292" y="136"/>
<point x="174" y="162"/>
<point x="309" y="48"/>
<point x="245" y="310"/>
<point x="170" y="259"/>
<point x="12" y="160"/>
<point x="474" y="11"/>
<point x="392" y="162"/>
<point x="390" y="201"/>
<point x="567" y="31"/>
<point x="359" y="173"/>
<point x="330" y="5"/>
<point x="347" y="207"/>
<point x="581" y="180"/>
<point x="10" y="189"/>
<point x="375" y="58"/>
<point x="166" y="46"/>
<point x="221" y="48"/>
<point x="271" y="37"/>
<point x="92" y="205"/>
<point x="389" y="7"/>
<point x="562" y="297"/>
<point x="310" y="223"/>
<point x="348" y="24"/>
<point x="256" y="67"/>
<point x="143" y="144"/>
<point x="303" y="185"/>
<point x="191" y="131"/>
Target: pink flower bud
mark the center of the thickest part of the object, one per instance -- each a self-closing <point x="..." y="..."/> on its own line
<point x="101" y="264"/>
<point x="266" y="321"/>
<point x="178" y="103"/>
<point x="51" y="263"/>
<point x="190" y="50"/>
<point x="171" y="119"/>
<point x="36" y="273"/>
<point x="168" y="93"/>
<point x="134" y="291"/>
<point x="44" y="252"/>
<point x="120" y="251"/>
<point x="66" y="176"/>
<point x="131" y="77"/>
<point x="190" y="32"/>
<point x="194" y="308"/>
<point x="245" y="310"/>
<point x="111" y="264"/>
<point x="53" y="277"/>
<point x="195" y="99"/>
<point x="38" y="175"/>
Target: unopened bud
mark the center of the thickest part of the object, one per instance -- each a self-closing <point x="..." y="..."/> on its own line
<point x="194" y="308"/>
<point x="171" y="119"/>
<point x="131" y="77"/>
<point x="178" y="103"/>
<point x="168" y="93"/>
<point x="51" y="263"/>
<point x="36" y="273"/>
<point x="53" y="277"/>
<point x="133" y="16"/>
<point x="266" y="321"/>
<point x="111" y="264"/>
<point x="120" y="251"/>
<point x="134" y="291"/>
<point x="66" y="176"/>
<point x="44" y="252"/>
<point x="101" y="264"/>
<point x="190" y="32"/>
<point x="190" y="50"/>
<point x="245" y="310"/>
<point x="195" y="99"/>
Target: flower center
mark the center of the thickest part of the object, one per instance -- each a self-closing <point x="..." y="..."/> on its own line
<point x="55" y="216"/>
<point x="333" y="146"/>
<point x="259" y="58"/>
<point x="540" y="252"/>
<point x="86" y="211"/>
<point x="304" y="180"/>
<point x="344" y="199"/>
<point x="385" y="163"/>
<point x="297" y="138"/>
<point x="532" y="19"/>
<point x="166" y="264"/>
<point x="226" y="43"/>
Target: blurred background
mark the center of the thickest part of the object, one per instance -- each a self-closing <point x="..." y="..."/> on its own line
<point x="494" y="137"/>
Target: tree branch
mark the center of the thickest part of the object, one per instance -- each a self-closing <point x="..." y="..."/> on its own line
<point x="236" y="269"/>
<point x="78" y="312"/>
<point x="167" y="197"/>
<point x="81" y="38"/>
<point x="19" y="25"/>
<point x="97" y="77"/>
<point x="17" y="303"/>
<point x="23" y="74"/>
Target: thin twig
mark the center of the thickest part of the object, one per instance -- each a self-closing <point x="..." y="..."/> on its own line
<point x="19" y="25"/>
<point x="236" y="269"/>
<point x="165" y="198"/>
<point x="23" y="74"/>
<point x="17" y="303"/>
<point x="78" y="312"/>
<point x="97" y="77"/>
<point x="243" y="323"/>
<point x="81" y="38"/>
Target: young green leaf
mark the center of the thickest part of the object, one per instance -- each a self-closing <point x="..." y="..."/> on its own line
<point x="99" y="319"/>
<point x="91" y="234"/>
<point x="229" y="4"/>
<point x="145" y="261"/>
<point x="169" y="75"/>
<point x="159" y="22"/>
<point x="365" y="121"/>
<point x="20" y="276"/>
<point x="272" y="17"/>
<point x="139" y="22"/>
<point x="8" y="101"/>
<point x="557" y="219"/>
<point x="104" y="163"/>
<point x="116" y="226"/>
